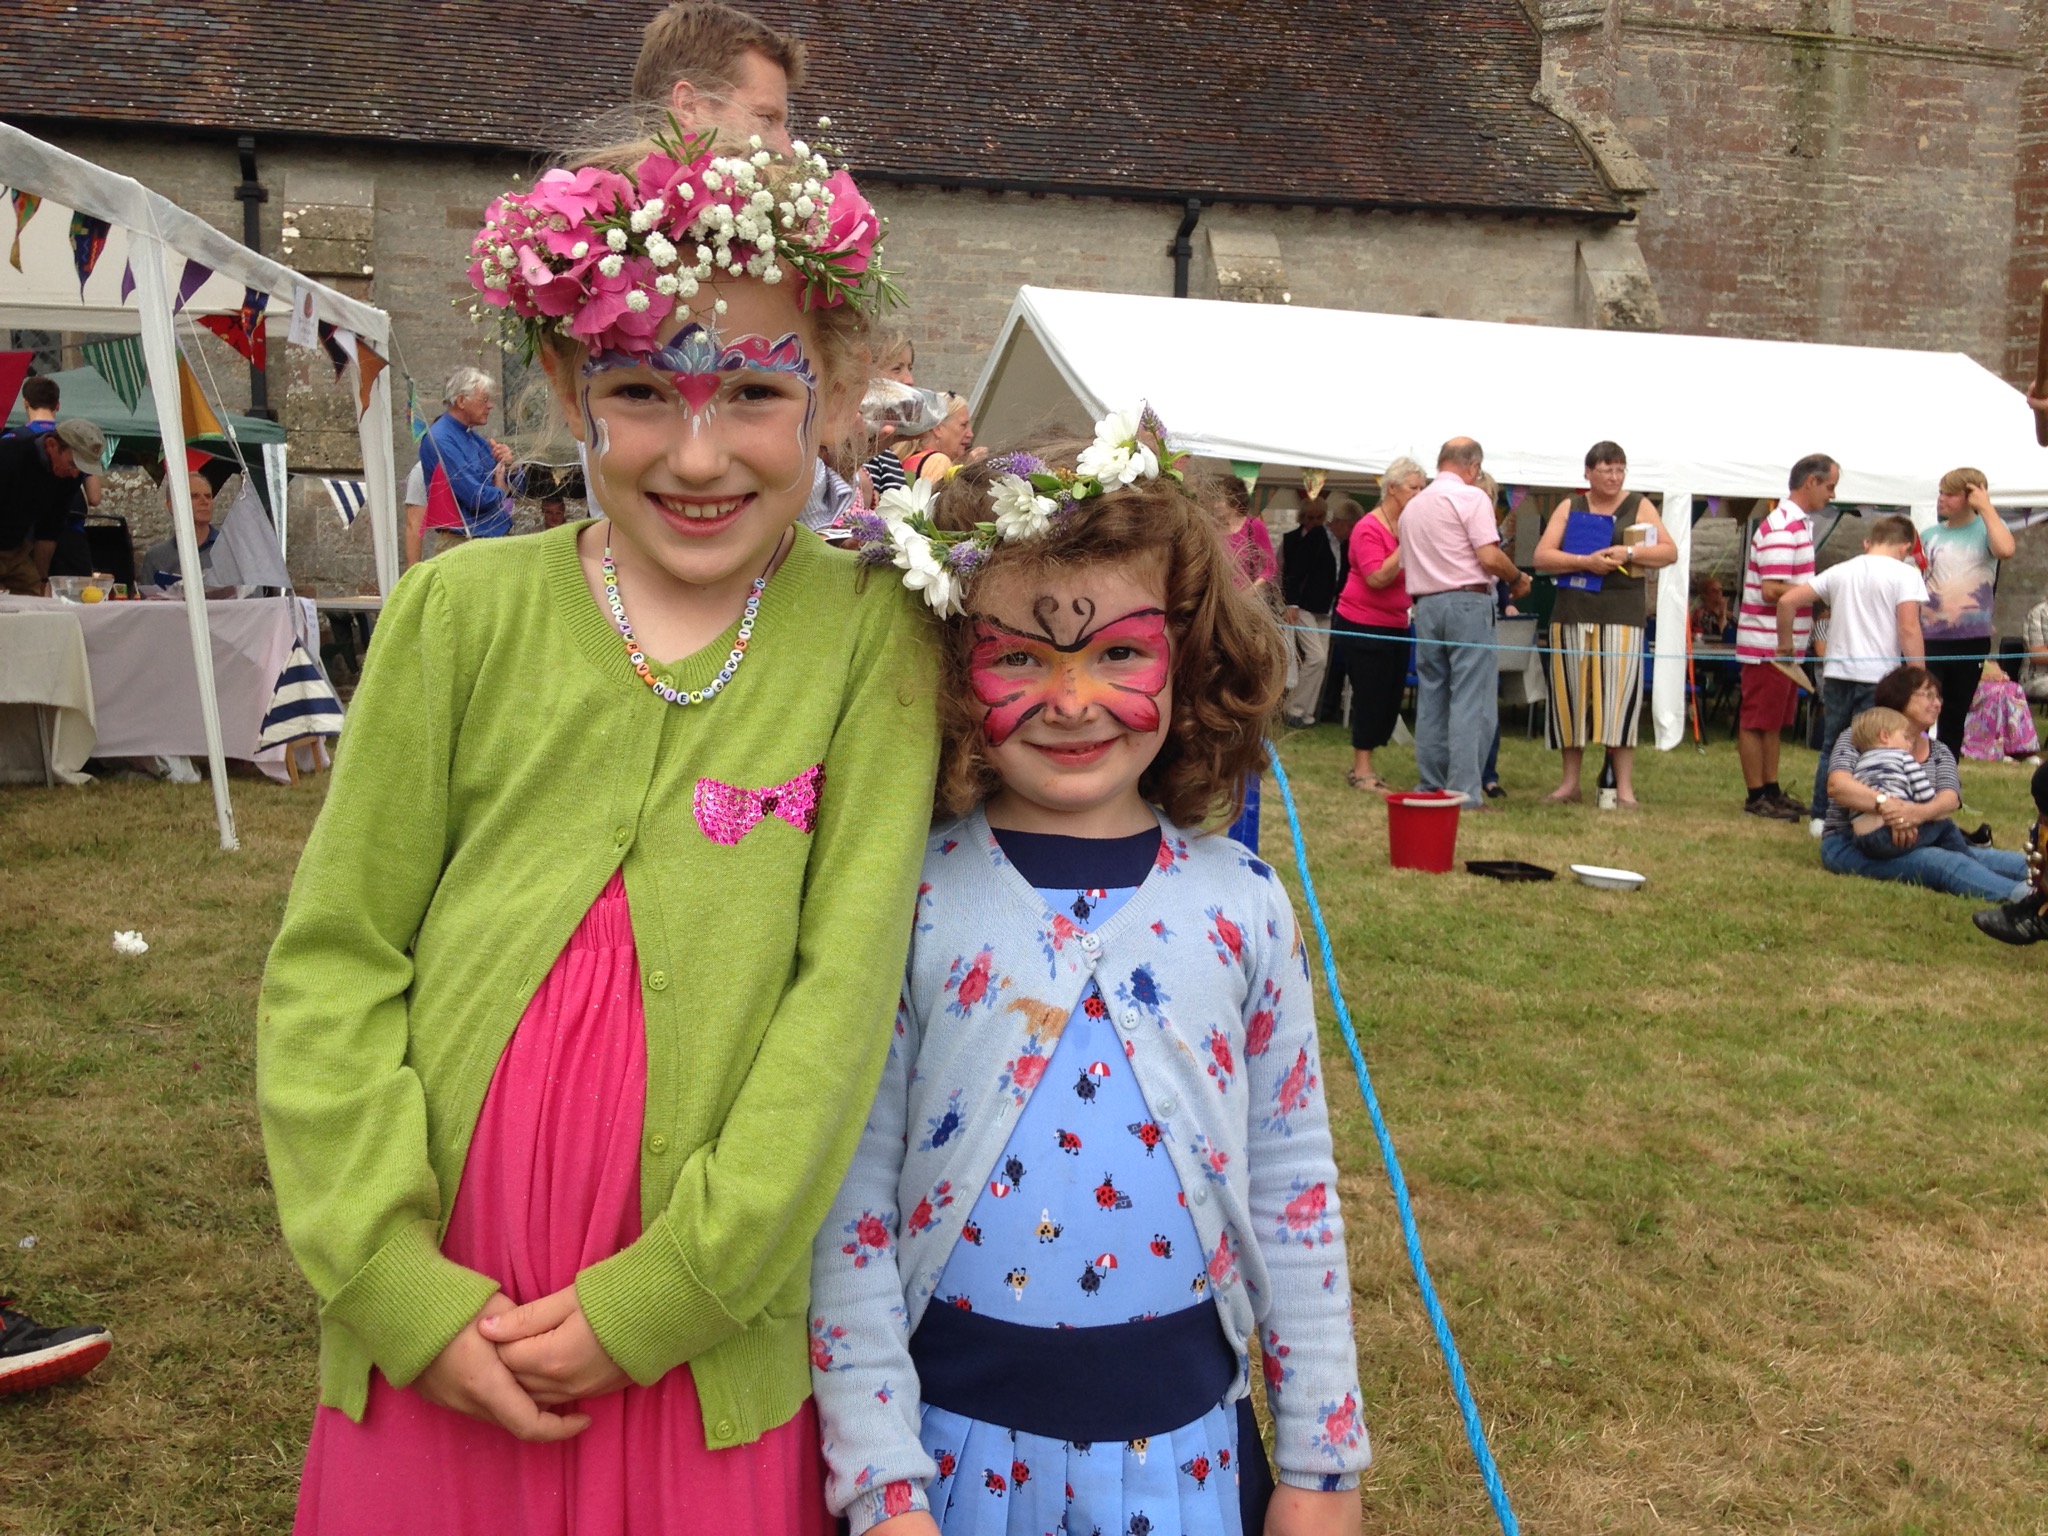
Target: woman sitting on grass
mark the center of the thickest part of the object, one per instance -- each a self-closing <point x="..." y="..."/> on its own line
<point x="1996" y="874"/>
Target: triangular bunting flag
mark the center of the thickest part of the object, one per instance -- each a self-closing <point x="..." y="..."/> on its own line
<point x="415" y="418"/>
<point x="443" y="511"/>
<point x="191" y="281"/>
<point x="339" y="345"/>
<point x="14" y="368"/>
<point x="368" y="366"/>
<point x="192" y="407"/>
<point x="88" y="241"/>
<point x="127" y="280"/>
<point x="349" y="498"/>
<point x="25" y="206"/>
<point x="244" y="330"/>
<point x="119" y="362"/>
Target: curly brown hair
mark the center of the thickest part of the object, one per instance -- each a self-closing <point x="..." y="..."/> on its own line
<point x="1229" y="659"/>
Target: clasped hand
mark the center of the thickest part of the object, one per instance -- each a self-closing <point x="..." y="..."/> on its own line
<point x="510" y="1365"/>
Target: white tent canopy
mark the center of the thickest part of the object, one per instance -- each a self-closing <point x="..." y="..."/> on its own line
<point x="153" y="238"/>
<point x="1347" y="390"/>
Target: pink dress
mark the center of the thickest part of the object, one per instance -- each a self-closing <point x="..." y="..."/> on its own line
<point x="551" y="1186"/>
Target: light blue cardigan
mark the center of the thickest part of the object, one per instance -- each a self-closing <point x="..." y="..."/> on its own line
<point x="1204" y="974"/>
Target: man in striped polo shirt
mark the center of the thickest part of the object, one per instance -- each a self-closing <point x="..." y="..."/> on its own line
<point x="1780" y="557"/>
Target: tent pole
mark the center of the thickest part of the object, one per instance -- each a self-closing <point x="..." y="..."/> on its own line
<point x="373" y="429"/>
<point x="1674" y="620"/>
<point x="160" y="351"/>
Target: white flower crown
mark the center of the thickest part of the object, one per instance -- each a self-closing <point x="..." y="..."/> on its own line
<point x="1030" y="498"/>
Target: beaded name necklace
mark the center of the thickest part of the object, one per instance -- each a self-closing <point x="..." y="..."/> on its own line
<point x="638" y="656"/>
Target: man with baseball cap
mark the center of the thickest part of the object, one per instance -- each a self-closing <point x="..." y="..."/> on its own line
<point x="39" y="474"/>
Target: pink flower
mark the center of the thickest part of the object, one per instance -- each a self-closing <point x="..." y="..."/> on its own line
<point x="581" y="197"/>
<point x="850" y="235"/>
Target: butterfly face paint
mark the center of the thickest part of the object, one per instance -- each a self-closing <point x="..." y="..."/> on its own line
<point x="698" y="364"/>
<point x="1120" y="666"/>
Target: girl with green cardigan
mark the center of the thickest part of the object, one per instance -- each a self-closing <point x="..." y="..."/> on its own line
<point x="588" y="971"/>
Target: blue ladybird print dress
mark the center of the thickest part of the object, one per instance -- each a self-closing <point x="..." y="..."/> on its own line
<point x="1082" y="1224"/>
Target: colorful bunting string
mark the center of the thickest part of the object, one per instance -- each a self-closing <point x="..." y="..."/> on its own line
<point x="415" y="418"/>
<point x="25" y="206"/>
<point x="119" y="362"/>
<point x="88" y="242"/>
<point x="368" y="366"/>
<point x="349" y="497"/>
<point x="339" y="345"/>
<point x="191" y="281"/>
<point x="244" y="330"/>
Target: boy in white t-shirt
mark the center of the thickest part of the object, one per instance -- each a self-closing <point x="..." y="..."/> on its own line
<point x="1873" y="626"/>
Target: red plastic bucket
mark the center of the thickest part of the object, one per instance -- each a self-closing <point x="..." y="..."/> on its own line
<point x="1422" y="831"/>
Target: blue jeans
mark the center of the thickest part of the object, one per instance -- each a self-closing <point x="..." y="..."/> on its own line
<point x="1457" y="691"/>
<point x="1992" y="874"/>
<point x="1841" y="701"/>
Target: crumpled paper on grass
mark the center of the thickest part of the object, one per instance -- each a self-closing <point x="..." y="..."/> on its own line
<point x="129" y="942"/>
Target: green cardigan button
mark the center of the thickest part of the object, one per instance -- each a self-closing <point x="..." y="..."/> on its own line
<point x="657" y="1143"/>
<point x="723" y="1429"/>
<point x="657" y="981"/>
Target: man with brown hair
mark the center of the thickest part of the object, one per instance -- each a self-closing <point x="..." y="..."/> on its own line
<point x="719" y="68"/>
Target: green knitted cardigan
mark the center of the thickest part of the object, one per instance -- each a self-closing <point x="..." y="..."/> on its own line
<point x="500" y="761"/>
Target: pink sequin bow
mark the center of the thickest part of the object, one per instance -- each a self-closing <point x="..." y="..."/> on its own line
<point x="728" y="813"/>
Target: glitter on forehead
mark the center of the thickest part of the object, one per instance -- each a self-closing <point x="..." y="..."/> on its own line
<point x="697" y="360"/>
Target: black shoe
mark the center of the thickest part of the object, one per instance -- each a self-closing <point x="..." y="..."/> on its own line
<point x="2017" y="922"/>
<point x="1776" y="810"/>
<point x="1796" y="809"/>
<point x="34" y="1356"/>
<point x="1981" y="838"/>
<point x="1494" y="791"/>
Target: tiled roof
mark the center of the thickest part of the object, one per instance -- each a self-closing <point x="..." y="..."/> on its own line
<point x="1421" y="103"/>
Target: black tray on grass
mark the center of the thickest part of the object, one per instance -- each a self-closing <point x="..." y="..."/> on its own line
<point x="1508" y="869"/>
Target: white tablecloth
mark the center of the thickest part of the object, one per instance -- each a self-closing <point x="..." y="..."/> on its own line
<point x="145" y="693"/>
<point x="46" y="713"/>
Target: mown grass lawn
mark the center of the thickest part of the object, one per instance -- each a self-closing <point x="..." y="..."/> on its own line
<point x="1733" y="1187"/>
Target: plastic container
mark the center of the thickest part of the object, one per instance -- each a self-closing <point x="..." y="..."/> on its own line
<point x="1422" y="831"/>
<point x="1602" y="878"/>
<point x="1508" y="869"/>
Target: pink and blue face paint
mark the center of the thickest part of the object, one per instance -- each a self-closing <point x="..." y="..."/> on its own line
<point x="697" y="362"/>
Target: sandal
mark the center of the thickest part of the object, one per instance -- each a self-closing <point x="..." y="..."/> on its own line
<point x="1371" y="781"/>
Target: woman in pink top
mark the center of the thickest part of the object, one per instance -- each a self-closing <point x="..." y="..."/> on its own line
<point x="1370" y="637"/>
<point x="1249" y="540"/>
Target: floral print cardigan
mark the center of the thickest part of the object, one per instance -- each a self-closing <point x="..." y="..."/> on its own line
<point x="1205" y="977"/>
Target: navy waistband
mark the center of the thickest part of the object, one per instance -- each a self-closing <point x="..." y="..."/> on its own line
<point x="1121" y="1382"/>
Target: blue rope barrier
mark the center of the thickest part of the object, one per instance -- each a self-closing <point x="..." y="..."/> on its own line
<point x="1468" y="1410"/>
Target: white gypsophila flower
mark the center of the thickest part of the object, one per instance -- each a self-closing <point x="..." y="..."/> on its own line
<point x="639" y="221"/>
<point x="905" y="501"/>
<point x="771" y="274"/>
<point x="924" y="569"/>
<point x="805" y="207"/>
<point x="761" y="157"/>
<point x="686" y="285"/>
<point x="766" y="243"/>
<point x="638" y="302"/>
<point x="754" y="141"/>
<point x="703" y="253"/>
<point x="616" y="239"/>
<point x="718" y="308"/>
<point x="800" y="149"/>
<point x="580" y="249"/>
<point x="1021" y="513"/>
<point x="824" y="122"/>
<point x="612" y="265"/>
<point x="659" y="251"/>
<point x="666" y="285"/>
<point x="655" y="208"/>
<point x="712" y="179"/>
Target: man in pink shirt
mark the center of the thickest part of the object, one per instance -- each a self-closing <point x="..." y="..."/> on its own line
<point x="1450" y="550"/>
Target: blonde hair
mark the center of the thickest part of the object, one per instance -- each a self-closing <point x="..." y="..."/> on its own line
<point x="703" y="43"/>
<point x="1868" y="729"/>
<point x="1960" y="482"/>
<point x="1229" y="660"/>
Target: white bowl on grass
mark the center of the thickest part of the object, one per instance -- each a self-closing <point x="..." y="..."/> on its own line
<point x="1603" y="879"/>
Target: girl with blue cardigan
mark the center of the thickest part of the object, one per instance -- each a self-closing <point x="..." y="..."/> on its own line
<point x="1099" y="1167"/>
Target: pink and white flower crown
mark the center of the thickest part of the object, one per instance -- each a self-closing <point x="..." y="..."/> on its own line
<point x="608" y="258"/>
<point x="1030" y="498"/>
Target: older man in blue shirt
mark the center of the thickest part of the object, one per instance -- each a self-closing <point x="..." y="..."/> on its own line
<point x="469" y="477"/>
